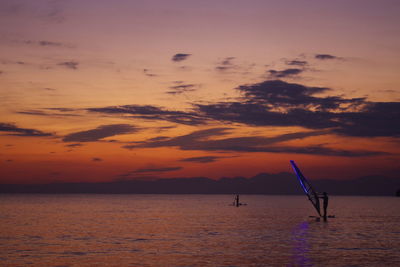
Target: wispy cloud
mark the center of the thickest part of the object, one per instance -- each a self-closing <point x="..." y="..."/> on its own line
<point x="58" y="113"/>
<point x="148" y="73"/>
<point x="69" y="64"/>
<point x="226" y="64"/>
<point x="296" y="62"/>
<point x="157" y="170"/>
<point x="12" y="62"/>
<point x="74" y="145"/>
<point x="42" y="43"/>
<point x="153" y="113"/>
<point x="204" y="159"/>
<point x="147" y="173"/>
<point x="326" y="57"/>
<point x="50" y="43"/>
<point x="181" y="88"/>
<point x="100" y="133"/>
<point x="12" y="129"/>
<point x="46" y="11"/>
<point x="277" y="74"/>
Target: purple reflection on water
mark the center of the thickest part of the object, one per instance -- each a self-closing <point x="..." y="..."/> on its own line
<point x="301" y="246"/>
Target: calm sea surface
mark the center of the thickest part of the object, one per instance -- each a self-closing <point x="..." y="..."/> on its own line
<point x="196" y="230"/>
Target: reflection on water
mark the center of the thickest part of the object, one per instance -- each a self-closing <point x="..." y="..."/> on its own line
<point x="196" y="230"/>
<point x="300" y="245"/>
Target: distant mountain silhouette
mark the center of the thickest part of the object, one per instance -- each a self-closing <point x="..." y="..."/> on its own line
<point x="263" y="183"/>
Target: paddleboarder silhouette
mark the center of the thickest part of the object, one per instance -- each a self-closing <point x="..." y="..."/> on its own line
<point x="237" y="203"/>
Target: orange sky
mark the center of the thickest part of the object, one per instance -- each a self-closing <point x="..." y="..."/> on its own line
<point x="102" y="91"/>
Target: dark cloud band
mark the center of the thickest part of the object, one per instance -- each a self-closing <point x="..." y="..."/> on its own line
<point x="100" y="133"/>
<point x="204" y="140"/>
<point x="153" y="113"/>
<point x="12" y="129"/>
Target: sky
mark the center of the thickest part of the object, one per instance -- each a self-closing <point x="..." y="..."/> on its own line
<point x="95" y="91"/>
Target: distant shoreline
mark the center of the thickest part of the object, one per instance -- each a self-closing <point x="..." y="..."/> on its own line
<point x="262" y="184"/>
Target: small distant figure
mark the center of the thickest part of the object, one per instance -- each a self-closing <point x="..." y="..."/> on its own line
<point x="237" y="202"/>
<point x="325" y="199"/>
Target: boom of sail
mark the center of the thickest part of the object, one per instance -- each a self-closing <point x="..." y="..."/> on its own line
<point x="307" y="188"/>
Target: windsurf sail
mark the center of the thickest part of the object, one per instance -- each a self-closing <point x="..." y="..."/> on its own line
<point x="307" y="188"/>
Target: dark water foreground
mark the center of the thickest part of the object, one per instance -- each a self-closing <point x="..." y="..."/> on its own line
<point x="196" y="230"/>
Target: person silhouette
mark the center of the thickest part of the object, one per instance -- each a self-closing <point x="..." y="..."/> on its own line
<point x="325" y="199"/>
<point x="237" y="203"/>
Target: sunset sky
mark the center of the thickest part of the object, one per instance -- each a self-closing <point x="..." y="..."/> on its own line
<point x="100" y="90"/>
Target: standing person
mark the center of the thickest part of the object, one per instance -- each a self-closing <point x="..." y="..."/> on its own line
<point x="237" y="200"/>
<point x="325" y="199"/>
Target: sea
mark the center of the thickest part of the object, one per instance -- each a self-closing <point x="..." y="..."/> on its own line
<point x="196" y="230"/>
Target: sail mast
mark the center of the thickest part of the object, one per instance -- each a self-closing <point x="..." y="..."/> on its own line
<point x="307" y="188"/>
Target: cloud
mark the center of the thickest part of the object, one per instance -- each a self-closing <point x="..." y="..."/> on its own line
<point x="46" y="11"/>
<point x="50" y="43"/>
<point x="281" y="104"/>
<point x="153" y="113"/>
<point x="97" y="159"/>
<point x="74" y="145"/>
<point x="181" y="88"/>
<point x="277" y="93"/>
<point x="376" y="119"/>
<point x="55" y="15"/>
<point x="296" y="62"/>
<point x="159" y="138"/>
<point x="100" y="132"/>
<point x="275" y="74"/>
<point x="12" y="62"/>
<point x="325" y="151"/>
<point x="62" y="109"/>
<point x="184" y="141"/>
<point x="163" y="128"/>
<point x="69" y="64"/>
<point x="12" y="129"/>
<point x="278" y="103"/>
<point x="204" y="140"/>
<point x="325" y="57"/>
<point x="205" y="159"/>
<point x="270" y="97"/>
<point x="45" y="113"/>
<point x="226" y="64"/>
<point x="147" y="173"/>
<point x="148" y="73"/>
<point x="180" y="57"/>
<point x="157" y="170"/>
<point x="44" y="43"/>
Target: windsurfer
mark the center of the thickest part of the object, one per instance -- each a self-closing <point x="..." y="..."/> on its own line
<point x="325" y="199"/>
